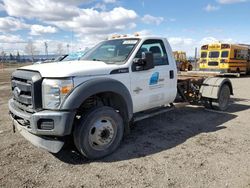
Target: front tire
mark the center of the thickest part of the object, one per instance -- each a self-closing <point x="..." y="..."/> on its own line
<point x="99" y="132"/>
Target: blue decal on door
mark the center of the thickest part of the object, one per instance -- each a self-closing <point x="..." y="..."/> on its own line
<point x="154" y="78"/>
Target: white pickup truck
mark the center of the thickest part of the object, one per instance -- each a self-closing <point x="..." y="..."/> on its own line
<point x="96" y="99"/>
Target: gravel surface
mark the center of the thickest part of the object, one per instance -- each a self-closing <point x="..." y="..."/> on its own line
<point x="187" y="147"/>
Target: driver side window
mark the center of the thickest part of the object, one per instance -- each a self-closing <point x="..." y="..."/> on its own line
<point x="156" y="47"/>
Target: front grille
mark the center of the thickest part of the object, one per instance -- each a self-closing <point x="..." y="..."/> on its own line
<point x="213" y="63"/>
<point x="22" y="90"/>
<point x="26" y="89"/>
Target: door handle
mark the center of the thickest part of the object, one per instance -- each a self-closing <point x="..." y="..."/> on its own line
<point x="171" y="74"/>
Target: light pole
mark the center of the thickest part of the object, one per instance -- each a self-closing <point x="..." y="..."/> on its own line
<point x="67" y="48"/>
<point x="46" y="49"/>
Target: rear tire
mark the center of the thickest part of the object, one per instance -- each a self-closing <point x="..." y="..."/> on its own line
<point x="99" y="133"/>
<point x="238" y="73"/>
<point x="183" y="68"/>
<point x="190" y="67"/>
<point x="208" y="104"/>
<point x="222" y="102"/>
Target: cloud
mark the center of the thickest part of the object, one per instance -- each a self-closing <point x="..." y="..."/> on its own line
<point x="181" y="41"/>
<point x="109" y="1"/>
<point x="214" y="30"/>
<point x="1" y="7"/>
<point x="172" y="19"/>
<point x="40" y="9"/>
<point x="189" y="44"/>
<point x="88" y="25"/>
<point x="8" y="24"/>
<point x="70" y="17"/>
<point x="211" y="8"/>
<point x="144" y="32"/>
<point x="73" y="2"/>
<point x="100" y="6"/>
<point x="11" y="39"/>
<point x="231" y="1"/>
<point x="207" y="40"/>
<point x="148" y="19"/>
<point x="92" y="21"/>
<point x="40" y="29"/>
<point x="183" y="44"/>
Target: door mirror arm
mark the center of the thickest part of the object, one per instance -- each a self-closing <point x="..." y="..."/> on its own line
<point x="144" y="63"/>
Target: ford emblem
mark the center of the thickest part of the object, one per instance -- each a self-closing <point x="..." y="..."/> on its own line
<point x="16" y="92"/>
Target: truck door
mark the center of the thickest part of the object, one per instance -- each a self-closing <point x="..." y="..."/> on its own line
<point x="153" y="88"/>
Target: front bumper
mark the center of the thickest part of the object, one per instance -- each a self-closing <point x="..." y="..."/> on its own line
<point x="49" y="144"/>
<point x="43" y="128"/>
<point x="62" y="120"/>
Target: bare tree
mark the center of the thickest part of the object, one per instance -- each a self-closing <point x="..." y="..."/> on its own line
<point x="18" y="57"/>
<point x="2" y="57"/>
<point x="60" y="49"/>
<point x="3" y="54"/>
<point x="30" y="49"/>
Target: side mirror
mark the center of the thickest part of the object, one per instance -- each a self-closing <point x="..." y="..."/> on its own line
<point x="148" y="58"/>
<point x="144" y="63"/>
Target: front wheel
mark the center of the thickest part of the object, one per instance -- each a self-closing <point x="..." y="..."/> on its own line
<point x="99" y="133"/>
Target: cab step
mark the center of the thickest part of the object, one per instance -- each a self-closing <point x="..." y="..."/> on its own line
<point x="152" y="112"/>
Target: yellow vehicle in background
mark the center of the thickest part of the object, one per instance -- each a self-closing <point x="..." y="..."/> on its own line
<point x="181" y="61"/>
<point x="225" y="58"/>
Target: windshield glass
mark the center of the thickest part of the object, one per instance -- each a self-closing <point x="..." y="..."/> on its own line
<point x="73" y="56"/>
<point x="111" y="51"/>
<point x="214" y="54"/>
<point x="224" y="54"/>
<point x="203" y="54"/>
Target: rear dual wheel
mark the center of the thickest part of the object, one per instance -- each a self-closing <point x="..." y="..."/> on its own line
<point x="99" y="133"/>
<point x="223" y="100"/>
<point x="190" y="67"/>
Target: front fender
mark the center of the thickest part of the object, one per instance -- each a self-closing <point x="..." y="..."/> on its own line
<point x="95" y="86"/>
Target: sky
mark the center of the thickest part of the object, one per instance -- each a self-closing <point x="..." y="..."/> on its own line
<point x="74" y="25"/>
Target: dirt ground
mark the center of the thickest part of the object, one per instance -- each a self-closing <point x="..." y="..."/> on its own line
<point x="187" y="147"/>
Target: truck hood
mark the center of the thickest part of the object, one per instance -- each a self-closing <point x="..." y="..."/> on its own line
<point x="72" y="68"/>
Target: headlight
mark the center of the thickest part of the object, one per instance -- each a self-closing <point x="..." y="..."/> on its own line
<point x="54" y="92"/>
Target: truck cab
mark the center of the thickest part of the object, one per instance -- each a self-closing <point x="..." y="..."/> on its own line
<point x="94" y="99"/>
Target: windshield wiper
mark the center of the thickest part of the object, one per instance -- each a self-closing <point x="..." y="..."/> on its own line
<point x="105" y="61"/>
<point x="96" y="59"/>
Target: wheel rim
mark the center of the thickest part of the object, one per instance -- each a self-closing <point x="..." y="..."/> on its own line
<point x="102" y="133"/>
<point x="224" y="97"/>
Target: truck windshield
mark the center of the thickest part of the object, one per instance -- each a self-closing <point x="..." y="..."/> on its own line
<point x="111" y="51"/>
<point x="214" y="54"/>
